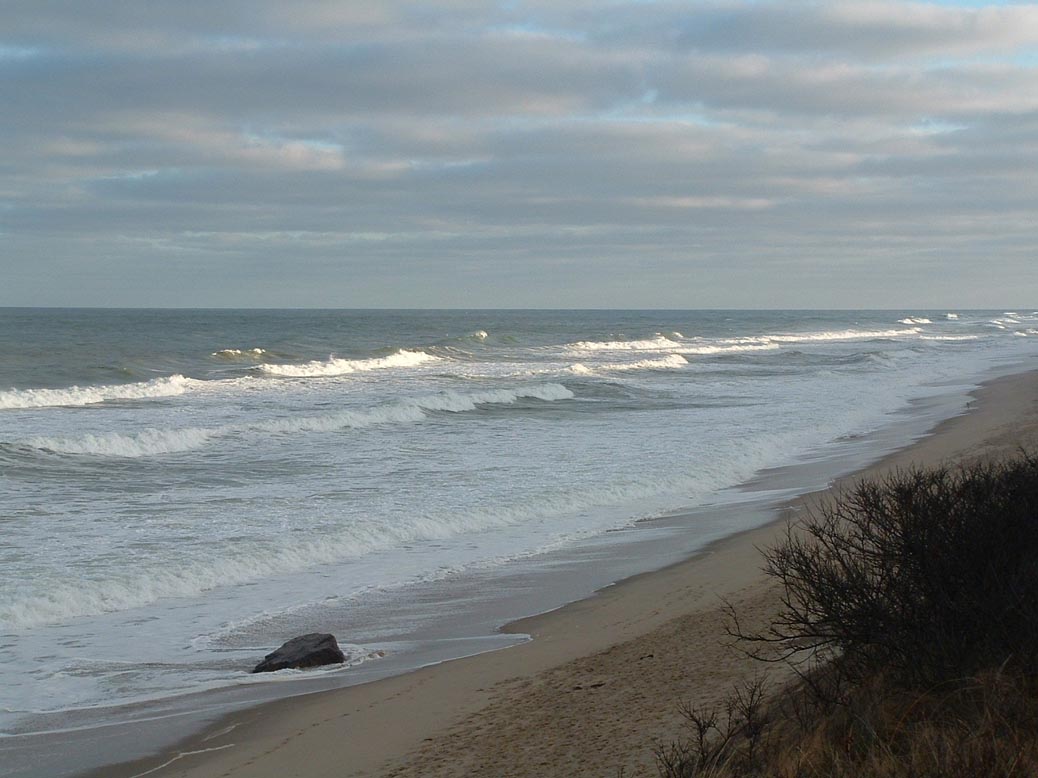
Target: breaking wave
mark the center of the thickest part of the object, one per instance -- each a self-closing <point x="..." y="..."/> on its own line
<point x="334" y="366"/>
<point x="914" y="320"/>
<point x="239" y="353"/>
<point x="664" y="342"/>
<point x="711" y="350"/>
<point x="169" y="386"/>
<point x="414" y="409"/>
<point x="155" y="442"/>
<point x="658" y="343"/>
<point x="669" y="362"/>
<point x="149" y="442"/>
<point x="837" y="335"/>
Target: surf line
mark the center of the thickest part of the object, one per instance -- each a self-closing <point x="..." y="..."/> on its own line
<point x="181" y="755"/>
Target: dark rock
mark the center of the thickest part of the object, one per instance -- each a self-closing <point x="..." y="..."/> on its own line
<point x="311" y="650"/>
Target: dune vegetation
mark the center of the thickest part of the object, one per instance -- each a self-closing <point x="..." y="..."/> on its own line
<point x="910" y="616"/>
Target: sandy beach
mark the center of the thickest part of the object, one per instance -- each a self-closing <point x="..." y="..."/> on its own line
<point x="596" y="687"/>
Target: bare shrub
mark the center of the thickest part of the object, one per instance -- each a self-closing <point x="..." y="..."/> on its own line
<point x="725" y="740"/>
<point x="930" y="575"/>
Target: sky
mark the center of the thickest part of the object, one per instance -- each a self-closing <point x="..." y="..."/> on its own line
<point x="541" y="154"/>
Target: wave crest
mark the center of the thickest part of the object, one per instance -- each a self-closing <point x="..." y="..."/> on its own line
<point x="843" y="335"/>
<point x="149" y="442"/>
<point x="239" y="353"/>
<point x="155" y="442"/>
<point x="658" y="343"/>
<point x="334" y="366"/>
<point x="170" y="386"/>
<point x="711" y="350"/>
<point x="669" y="362"/>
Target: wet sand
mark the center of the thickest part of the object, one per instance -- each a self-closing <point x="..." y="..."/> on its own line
<point x="598" y="685"/>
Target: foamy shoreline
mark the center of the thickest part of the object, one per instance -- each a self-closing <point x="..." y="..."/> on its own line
<point x="475" y="707"/>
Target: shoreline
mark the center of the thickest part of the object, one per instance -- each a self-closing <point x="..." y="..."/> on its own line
<point x="434" y="713"/>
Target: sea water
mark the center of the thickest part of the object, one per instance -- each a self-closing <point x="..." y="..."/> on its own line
<point x="180" y="491"/>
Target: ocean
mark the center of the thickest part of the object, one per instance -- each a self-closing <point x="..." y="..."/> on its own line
<point x="183" y="490"/>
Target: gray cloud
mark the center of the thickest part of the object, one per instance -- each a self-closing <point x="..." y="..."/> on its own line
<point x="458" y="153"/>
<point x="870" y="30"/>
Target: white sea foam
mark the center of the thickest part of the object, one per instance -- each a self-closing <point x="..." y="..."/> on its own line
<point x="733" y="349"/>
<point x="89" y="395"/>
<point x="948" y="337"/>
<point x="131" y="587"/>
<point x="458" y="401"/>
<point x="155" y="442"/>
<point x="951" y="316"/>
<point x="675" y="342"/>
<point x="239" y="353"/>
<point x="415" y="409"/>
<point x="1011" y="321"/>
<point x="149" y="442"/>
<point x="334" y="366"/>
<point x="388" y="414"/>
<point x="658" y="343"/>
<point x="669" y="362"/>
<point x="914" y="320"/>
<point x="123" y="589"/>
<point x="240" y="563"/>
<point x="838" y="335"/>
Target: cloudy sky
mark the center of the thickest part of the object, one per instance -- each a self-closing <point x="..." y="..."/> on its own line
<point x="550" y="153"/>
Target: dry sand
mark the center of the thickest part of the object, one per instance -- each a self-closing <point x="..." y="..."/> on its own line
<point x="598" y="685"/>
